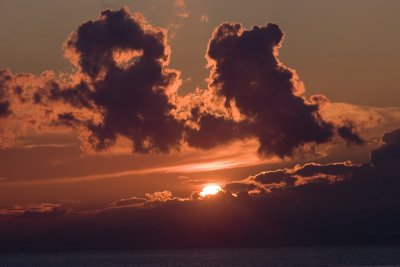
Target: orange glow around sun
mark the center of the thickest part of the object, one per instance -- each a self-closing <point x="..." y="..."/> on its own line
<point x="210" y="190"/>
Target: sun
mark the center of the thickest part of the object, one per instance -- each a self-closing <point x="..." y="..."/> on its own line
<point x="210" y="190"/>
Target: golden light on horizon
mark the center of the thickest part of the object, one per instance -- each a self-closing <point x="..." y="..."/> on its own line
<point x="210" y="190"/>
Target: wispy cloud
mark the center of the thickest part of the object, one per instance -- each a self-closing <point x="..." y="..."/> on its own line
<point x="61" y="145"/>
<point x="219" y="159"/>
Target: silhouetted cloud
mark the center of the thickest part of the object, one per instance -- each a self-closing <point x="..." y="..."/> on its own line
<point x="213" y="130"/>
<point x="345" y="180"/>
<point x="310" y="204"/>
<point x="43" y="210"/>
<point x="247" y="73"/>
<point x="149" y="200"/>
<point x="124" y="60"/>
<point x="132" y="201"/>
<point x="347" y="132"/>
<point x="269" y="181"/>
<point x="336" y="169"/>
<point x="4" y="102"/>
<point x="387" y="156"/>
<point x="123" y="88"/>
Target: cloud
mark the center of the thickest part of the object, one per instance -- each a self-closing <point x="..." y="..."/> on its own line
<point x="4" y="102"/>
<point x="123" y="89"/>
<point x="268" y="181"/>
<point x="348" y="133"/>
<point x="133" y="98"/>
<point x="379" y="176"/>
<point x="310" y="204"/>
<point x="247" y="73"/>
<point x="180" y="9"/>
<point x="43" y="210"/>
<point x="181" y="13"/>
<point x="370" y="121"/>
<point x="21" y="112"/>
<point x="204" y="18"/>
<point x="188" y="180"/>
<point x="189" y="162"/>
<point x="213" y="130"/>
<point x="132" y="201"/>
<point x="387" y="156"/>
<point x="150" y="200"/>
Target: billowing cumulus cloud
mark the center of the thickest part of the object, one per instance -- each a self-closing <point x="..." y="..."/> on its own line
<point x="123" y="59"/>
<point x="123" y="89"/>
<point x="247" y="73"/>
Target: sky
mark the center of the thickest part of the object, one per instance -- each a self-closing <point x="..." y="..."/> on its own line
<point x="121" y="112"/>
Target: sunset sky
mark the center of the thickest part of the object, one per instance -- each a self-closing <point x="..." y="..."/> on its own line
<point x="111" y="107"/>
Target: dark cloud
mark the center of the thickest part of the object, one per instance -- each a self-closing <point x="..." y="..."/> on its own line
<point x="78" y="96"/>
<point x="213" y="130"/>
<point x="44" y="210"/>
<point x="283" y="179"/>
<point x="132" y="95"/>
<point x="149" y="200"/>
<point x="68" y="118"/>
<point x="312" y="169"/>
<point x="247" y="72"/>
<point x="359" y="207"/>
<point x="132" y="201"/>
<point x="374" y="183"/>
<point x="347" y="132"/>
<point x="53" y="212"/>
<point x="277" y="176"/>
<point x="123" y="87"/>
<point x="244" y="186"/>
<point x="5" y="110"/>
<point x="269" y="96"/>
<point x="388" y="154"/>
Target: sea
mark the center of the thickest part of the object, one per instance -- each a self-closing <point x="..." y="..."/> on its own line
<point x="288" y="256"/>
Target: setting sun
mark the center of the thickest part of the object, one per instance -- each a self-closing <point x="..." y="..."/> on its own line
<point x="210" y="190"/>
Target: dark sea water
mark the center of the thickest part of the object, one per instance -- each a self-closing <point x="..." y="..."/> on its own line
<point x="303" y="256"/>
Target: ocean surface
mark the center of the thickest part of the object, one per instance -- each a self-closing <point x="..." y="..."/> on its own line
<point x="297" y="256"/>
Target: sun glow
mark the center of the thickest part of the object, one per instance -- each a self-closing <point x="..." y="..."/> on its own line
<point x="210" y="190"/>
